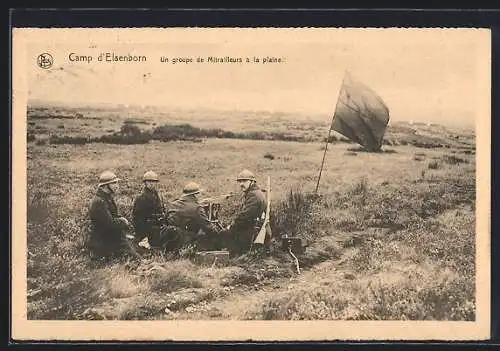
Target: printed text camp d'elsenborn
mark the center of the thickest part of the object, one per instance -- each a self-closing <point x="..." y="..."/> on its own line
<point x="107" y="57"/>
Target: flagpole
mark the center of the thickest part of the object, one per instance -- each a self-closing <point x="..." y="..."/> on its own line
<point x="329" y="133"/>
<point x="323" y="161"/>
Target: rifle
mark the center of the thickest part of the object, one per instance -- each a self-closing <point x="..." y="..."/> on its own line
<point x="266" y="227"/>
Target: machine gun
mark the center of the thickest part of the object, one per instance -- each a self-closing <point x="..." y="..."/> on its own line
<point x="212" y="207"/>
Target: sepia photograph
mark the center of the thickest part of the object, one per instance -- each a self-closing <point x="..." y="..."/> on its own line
<point x="251" y="184"/>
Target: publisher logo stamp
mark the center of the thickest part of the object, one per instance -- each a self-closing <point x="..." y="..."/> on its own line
<point x="45" y="60"/>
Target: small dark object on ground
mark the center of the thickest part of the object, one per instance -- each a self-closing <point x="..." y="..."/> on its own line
<point x="349" y="276"/>
<point x="294" y="243"/>
<point x="269" y="156"/>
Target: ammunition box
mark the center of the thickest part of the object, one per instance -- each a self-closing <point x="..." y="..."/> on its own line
<point x="208" y="258"/>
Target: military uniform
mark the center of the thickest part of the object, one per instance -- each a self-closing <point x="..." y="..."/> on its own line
<point x="247" y="222"/>
<point x="188" y="223"/>
<point x="107" y="234"/>
<point x="148" y="216"/>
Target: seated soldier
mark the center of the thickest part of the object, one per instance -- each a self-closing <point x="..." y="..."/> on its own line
<point x="107" y="237"/>
<point x="238" y="236"/>
<point x="148" y="211"/>
<point x="188" y="222"/>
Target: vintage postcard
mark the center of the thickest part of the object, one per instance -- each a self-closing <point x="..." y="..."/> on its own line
<point x="265" y="184"/>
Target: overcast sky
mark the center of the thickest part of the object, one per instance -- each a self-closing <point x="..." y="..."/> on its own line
<point x="422" y="75"/>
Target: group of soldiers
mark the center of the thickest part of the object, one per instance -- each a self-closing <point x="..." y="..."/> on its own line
<point x="169" y="228"/>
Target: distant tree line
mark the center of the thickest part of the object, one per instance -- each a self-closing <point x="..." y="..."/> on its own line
<point x="130" y="133"/>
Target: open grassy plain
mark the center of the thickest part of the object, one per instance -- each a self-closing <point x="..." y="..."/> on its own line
<point x="391" y="236"/>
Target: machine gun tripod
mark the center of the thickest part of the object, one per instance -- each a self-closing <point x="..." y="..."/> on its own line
<point x="212" y="207"/>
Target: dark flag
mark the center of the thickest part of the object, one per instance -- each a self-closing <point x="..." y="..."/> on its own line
<point x="360" y="115"/>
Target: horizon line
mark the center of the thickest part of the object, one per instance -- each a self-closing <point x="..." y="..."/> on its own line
<point x="110" y="105"/>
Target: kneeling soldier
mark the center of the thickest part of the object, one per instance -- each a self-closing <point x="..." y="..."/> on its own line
<point x="240" y="233"/>
<point x="148" y="211"/>
<point x="107" y="237"/>
<point x="188" y="222"/>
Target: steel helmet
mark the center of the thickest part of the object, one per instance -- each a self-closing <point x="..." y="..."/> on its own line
<point x="246" y="175"/>
<point x="107" y="177"/>
<point x="191" y="188"/>
<point x="150" y="176"/>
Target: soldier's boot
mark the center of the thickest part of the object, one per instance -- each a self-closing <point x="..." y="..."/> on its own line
<point x="171" y="239"/>
<point x="222" y="241"/>
<point x="155" y="237"/>
<point x="129" y="250"/>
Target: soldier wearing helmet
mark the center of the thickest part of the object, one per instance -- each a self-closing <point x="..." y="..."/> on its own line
<point x="239" y="234"/>
<point x="107" y="237"/>
<point x="148" y="211"/>
<point x="188" y="222"/>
